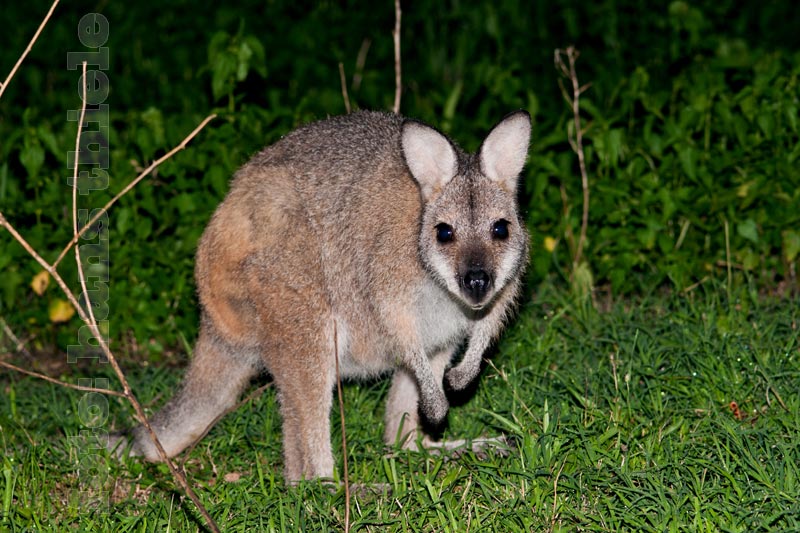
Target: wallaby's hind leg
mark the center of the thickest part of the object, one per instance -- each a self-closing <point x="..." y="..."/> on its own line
<point x="305" y="394"/>
<point x="217" y="376"/>
<point x="307" y="448"/>
<point x="402" y="424"/>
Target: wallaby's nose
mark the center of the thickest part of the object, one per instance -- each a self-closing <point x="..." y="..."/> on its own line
<point x="476" y="282"/>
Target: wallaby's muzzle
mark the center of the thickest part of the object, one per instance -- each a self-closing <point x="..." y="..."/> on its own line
<point x="476" y="283"/>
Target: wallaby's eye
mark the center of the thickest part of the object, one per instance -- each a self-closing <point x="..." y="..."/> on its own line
<point x="444" y="232"/>
<point x="500" y="229"/>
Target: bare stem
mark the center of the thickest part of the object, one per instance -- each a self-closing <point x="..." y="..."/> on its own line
<point x="568" y="70"/>
<point x="344" y="435"/>
<point x="343" y="82"/>
<point x="81" y="276"/>
<point x="361" y="60"/>
<point x="555" y="497"/>
<point x="397" y="72"/>
<point x="18" y="344"/>
<point x="728" y="263"/>
<point x="44" y="264"/>
<point x="59" y="382"/>
<point x="28" y="49"/>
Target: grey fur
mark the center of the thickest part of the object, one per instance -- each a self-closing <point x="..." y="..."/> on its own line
<point x="334" y="226"/>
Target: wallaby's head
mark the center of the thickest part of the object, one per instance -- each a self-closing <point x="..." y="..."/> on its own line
<point x="472" y="237"/>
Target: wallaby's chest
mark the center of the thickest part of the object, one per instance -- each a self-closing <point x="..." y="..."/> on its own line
<point x="441" y="321"/>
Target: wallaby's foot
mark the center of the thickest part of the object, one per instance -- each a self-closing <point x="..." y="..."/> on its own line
<point x="361" y="490"/>
<point x="117" y="444"/>
<point x="124" y="444"/>
<point x="452" y="449"/>
<point x="482" y="447"/>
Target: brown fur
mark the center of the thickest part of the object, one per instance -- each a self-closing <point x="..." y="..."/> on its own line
<point x="334" y="227"/>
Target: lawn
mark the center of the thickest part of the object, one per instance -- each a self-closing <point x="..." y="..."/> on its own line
<point x="668" y="413"/>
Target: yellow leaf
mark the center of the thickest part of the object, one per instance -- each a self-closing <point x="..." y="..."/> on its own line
<point x="60" y="311"/>
<point x="40" y="282"/>
<point x="549" y="244"/>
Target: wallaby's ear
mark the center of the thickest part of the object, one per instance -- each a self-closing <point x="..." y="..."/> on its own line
<point x="503" y="153"/>
<point x="430" y="157"/>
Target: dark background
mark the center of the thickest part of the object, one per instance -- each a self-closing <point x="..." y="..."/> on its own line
<point x="691" y="127"/>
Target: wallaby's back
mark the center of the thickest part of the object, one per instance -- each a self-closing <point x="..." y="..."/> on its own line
<point x="330" y="210"/>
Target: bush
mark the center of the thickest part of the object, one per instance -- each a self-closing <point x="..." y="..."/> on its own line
<point x="691" y="127"/>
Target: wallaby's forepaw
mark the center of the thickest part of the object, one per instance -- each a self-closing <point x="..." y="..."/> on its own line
<point x="435" y="409"/>
<point x="459" y="377"/>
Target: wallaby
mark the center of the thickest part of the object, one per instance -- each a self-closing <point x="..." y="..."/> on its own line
<point x="368" y="228"/>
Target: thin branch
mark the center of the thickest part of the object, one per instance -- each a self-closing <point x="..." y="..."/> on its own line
<point x="92" y="323"/>
<point x="19" y="345"/>
<point x="44" y="264"/>
<point x="568" y="70"/>
<point x="555" y="496"/>
<point x="343" y="82"/>
<point x="28" y="49"/>
<point x="361" y="60"/>
<point x="397" y="73"/>
<point x="81" y="276"/>
<point x="693" y="286"/>
<point x="344" y="435"/>
<point x="728" y="259"/>
<point x="62" y="383"/>
<point x="565" y="209"/>
<point x="155" y="164"/>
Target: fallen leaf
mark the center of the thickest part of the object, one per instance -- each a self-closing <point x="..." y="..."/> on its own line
<point x="233" y="477"/>
<point x="60" y="311"/>
<point x="40" y="282"/>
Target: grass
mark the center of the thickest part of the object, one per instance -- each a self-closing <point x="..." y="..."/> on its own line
<point x="621" y="420"/>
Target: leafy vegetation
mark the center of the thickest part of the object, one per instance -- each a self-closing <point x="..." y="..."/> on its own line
<point x="691" y="127"/>
<point x="692" y="146"/>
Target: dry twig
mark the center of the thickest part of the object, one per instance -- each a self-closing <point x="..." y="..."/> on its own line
<point x="344" y="435"/>
<point x="18" y="344"/>
<point x="397" y="74"/>
<point x="361" y="60"/>
<point x="28" y="49"/>
<point x="568" y="70"/>
<point x="343" y="82"/>
<point x="59" y="382"/>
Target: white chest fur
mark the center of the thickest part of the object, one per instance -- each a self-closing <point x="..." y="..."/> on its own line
<point x="441" y="321"/>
